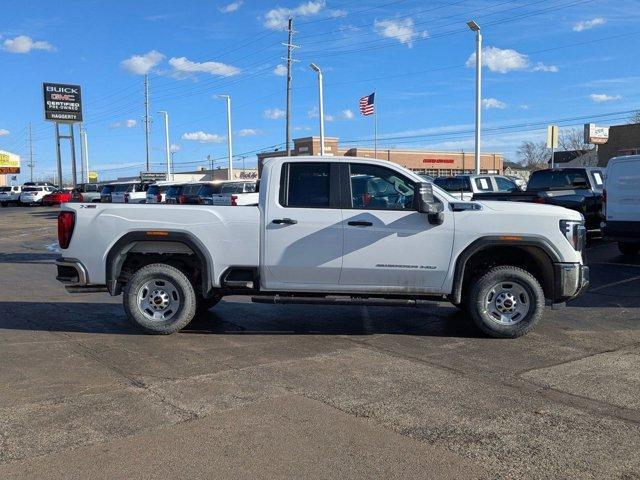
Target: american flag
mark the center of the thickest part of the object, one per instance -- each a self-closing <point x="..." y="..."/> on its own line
<point x="366" y="104"/>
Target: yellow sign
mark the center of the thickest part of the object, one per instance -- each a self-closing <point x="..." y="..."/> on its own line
<point x="9" y="162"/>
<point x="552" y="136"/>
<point x="93" y="177"/>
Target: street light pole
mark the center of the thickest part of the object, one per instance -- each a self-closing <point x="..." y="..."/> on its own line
<point x="229" y="135"/>
<point x="321" y="105"/>
<point x="167" y="145"/>
<point x="476" y="28"/>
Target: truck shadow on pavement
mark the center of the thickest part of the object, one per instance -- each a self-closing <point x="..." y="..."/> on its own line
<point x="230" y="318"/>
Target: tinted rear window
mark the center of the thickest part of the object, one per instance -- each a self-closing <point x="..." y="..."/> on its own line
<point x="156" y="189"/>
<point x="174" y="190"/>
<point x="5" y="189"/>
<point x="210" y="189"/>
<point x="126" y="187"/>
<point x="191" y="189"/>
<point x="31" y="189"/>
<point x="558" y="179"/>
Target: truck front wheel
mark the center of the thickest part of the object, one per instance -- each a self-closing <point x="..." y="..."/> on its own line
<point x="160" y="299"/>
<point x="506" y="302"/>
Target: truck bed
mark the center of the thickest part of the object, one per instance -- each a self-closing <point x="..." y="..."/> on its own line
<point x="232" y="232"/>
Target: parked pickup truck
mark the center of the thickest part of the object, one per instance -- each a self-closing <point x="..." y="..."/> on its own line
<point x="329" y="230"/>
<point x="579" y="189"/>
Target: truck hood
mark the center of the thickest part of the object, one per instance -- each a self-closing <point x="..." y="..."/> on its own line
<point x="532" y="209"/>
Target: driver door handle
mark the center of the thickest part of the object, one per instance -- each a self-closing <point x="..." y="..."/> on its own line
<point x="284" y="221"/>
<point x="360" y="224"/>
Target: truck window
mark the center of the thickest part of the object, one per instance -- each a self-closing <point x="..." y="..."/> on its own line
<point x="379" y="188"/>
<point x="305" y="184"/>
<point x="483" y="184"/>
<point x="598" y="180"/>
<point x="505" y="185"/>
<point x="558" y="179"/>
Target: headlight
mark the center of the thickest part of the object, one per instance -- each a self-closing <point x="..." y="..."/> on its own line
<point x="574" y="232"/>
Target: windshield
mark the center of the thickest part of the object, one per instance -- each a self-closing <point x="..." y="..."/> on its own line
<point x="558" y="179"/>
<point x="124" y="187"/>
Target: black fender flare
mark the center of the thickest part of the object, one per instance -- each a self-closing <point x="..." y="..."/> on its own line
<point x="483" y="243"/>
<point x="118" y="252"/>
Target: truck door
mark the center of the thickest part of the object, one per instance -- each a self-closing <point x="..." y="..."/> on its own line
<point x="388" y="245"/>
<point x="303" y="229"/>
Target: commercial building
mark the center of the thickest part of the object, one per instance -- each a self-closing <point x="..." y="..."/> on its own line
<point x="421" y="161"/>
<point x="623" y="140"/>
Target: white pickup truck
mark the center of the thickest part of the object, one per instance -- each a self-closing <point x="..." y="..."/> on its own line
<point x="329" y="230"/>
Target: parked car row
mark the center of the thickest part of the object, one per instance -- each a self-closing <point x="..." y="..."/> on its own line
<point x="33" y="194"/>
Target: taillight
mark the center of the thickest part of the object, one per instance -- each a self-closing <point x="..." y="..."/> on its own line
<point x="539" y="200"/>
<point x="234" y="200"/>
<point x="66" y="221"/>
<point x="182" y="199"/>
<point x="80" y="198"/>
<point x="159" y="198"/>
<point x="126" y="198"/>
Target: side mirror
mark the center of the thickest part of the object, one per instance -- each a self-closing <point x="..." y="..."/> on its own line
<point x="426" y="202"/>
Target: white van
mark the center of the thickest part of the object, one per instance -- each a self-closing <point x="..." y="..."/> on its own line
<point x="622" y="203"/>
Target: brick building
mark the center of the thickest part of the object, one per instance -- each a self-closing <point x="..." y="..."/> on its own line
<point x="623" y="140"/>
<point x="421" y="161"/>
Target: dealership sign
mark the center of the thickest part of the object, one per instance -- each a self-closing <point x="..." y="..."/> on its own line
<point x="62" y="102"/>
<point x="438" y="160"/>
<point x="9" y="163"/>
<point x="594" y="134"/>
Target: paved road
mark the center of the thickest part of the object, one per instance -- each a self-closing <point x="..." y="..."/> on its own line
<point x="257" y="391"/>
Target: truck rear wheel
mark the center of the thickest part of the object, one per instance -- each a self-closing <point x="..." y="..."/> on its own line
<point x="506" y="302"/>
<point x="160" y="299"/>
<point x="628" y="248"/>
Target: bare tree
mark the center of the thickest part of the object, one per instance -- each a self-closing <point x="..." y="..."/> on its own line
<point x="535" y="156"/>
<point x="573" y="139"/>
<point x="635" y="118"/>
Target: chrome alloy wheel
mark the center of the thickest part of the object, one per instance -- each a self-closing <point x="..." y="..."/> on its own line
<point x="159" y="299"/>
<point x="507" y="303"/>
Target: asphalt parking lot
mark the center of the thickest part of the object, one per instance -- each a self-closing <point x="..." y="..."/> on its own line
<point x="259" y="391"/>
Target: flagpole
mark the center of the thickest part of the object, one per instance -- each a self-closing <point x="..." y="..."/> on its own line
<point x="375" y="133"/>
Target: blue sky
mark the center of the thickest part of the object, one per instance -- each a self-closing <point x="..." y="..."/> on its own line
<point x="564" y="61"/>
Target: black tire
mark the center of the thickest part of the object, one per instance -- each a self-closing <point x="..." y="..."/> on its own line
<point x="206" y="304"/>
<point x="4" y="204"/>
<point x="499" y="278"/>
<point x="170" y="281"/>
<point x="628" y="248"/>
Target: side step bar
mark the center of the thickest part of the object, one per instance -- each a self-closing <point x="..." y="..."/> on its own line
<point x="337" y="300"/>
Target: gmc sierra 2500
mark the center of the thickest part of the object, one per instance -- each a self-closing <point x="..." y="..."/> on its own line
<point x="329" y="230"/>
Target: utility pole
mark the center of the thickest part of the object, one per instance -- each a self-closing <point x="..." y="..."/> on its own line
<point x="146" y="116"/>
<point x="209" y="162"/>
<point x="82" y="154"/>
<point x="229" y="135"/>
<point x="290" y="46"/>
<point x="86" y="152"/>
<point x="31" y="151"/>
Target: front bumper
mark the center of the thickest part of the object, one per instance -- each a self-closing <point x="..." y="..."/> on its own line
<point x="571" y="281"/>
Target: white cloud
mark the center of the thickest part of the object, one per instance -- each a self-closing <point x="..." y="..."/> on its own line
<point x="506" y="60"/>
<point x="493" y="103"/>
<point x="277" y="18"/>
<point x="280" y="70"/>
<point x="174" y="147"/>
<point x="402" y="30"/>
<point x="587" y="24"/>
<point x="4" y="132"/>
<point x="24" y="44"/>
<point x="274" y="113"/>
<point x="142" y="64"/>
<point x="338" y="12"/>
<point x="601" y="97"/>
<point x="249" y="132"/>
<point x="184" y="67"/>
<point x="130" y="123"/>
<point x="499" y="60"/>
<point x="203" y="137"/>
<point x="329" y="118"/>
<point x="302" y="129"/>
<point x="541" y="67"/>
<point x="231" y="7"/>
<point x="347" y="114"/>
